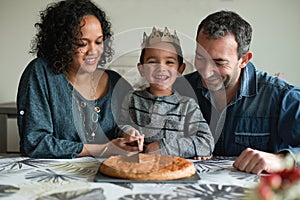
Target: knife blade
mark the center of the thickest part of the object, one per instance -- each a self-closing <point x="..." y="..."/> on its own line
<point x="136" y="157"/>
<point x="133" y="158"/>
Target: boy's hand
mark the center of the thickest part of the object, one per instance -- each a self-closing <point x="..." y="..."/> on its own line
<point x="152" y="148"/>
<point x="203" y="157"/>
<point x="135" y="138"/>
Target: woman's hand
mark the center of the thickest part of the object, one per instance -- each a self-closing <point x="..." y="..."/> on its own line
<point x="119" y="146"/>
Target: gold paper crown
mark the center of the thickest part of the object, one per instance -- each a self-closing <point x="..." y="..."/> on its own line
<point x="156" y="37"/>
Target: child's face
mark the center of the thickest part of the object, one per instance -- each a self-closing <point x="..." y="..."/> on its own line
<point x="160" y="68"/>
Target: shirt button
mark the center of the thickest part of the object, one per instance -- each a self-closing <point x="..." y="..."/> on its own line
<point x="22" y="112"/>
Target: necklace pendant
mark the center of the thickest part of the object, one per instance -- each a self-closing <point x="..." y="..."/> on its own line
<point x="93" y="134"/>
<point x="82" y="104"/>
<point x="97" y="109"/>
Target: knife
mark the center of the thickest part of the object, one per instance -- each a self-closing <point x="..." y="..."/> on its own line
<point x="136" y="157"/>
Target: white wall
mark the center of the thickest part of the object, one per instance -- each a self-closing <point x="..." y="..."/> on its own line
<point x="276" y="43"/>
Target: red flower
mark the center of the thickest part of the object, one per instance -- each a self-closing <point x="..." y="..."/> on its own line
<point x="276" y="182"/>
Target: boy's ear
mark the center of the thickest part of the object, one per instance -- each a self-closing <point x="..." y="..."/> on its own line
<point x="140" y="68"/>
<point x="181" y="68"/>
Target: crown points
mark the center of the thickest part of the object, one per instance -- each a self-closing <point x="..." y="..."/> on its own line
<point x="157" y="36"/>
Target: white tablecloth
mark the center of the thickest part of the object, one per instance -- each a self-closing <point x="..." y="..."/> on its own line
<point x="41" y="179"/>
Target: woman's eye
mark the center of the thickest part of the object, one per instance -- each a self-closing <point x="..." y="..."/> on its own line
<point x="99" y="42"/>
<point x="81" y="44"/>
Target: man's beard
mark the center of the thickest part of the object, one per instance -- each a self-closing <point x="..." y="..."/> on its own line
<point x="220" y="85"/>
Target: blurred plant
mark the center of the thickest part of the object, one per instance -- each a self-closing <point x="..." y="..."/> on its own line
<point x="278" y="186"/>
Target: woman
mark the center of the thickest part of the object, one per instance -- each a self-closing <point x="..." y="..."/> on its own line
<point x="64" y="98"/>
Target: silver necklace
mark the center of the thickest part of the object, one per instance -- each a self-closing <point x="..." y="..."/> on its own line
<point x="88" y="112"/>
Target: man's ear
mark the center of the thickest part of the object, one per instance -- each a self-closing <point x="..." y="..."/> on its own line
<point x="245" y="59"/>
<point x="140" y="68"/>
<point x="181" y="69"/>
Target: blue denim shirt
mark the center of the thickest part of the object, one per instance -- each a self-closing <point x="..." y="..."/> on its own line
<point x="48" y="121"/>
<point x="263" y="115"/>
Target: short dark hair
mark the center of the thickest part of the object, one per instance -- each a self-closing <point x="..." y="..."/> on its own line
<point x="177" y="47"/>
<point x="220" y="23"/>
<point x="58" y="31"/>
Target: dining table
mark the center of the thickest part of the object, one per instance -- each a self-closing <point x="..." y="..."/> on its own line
<point x="79" y="178"/>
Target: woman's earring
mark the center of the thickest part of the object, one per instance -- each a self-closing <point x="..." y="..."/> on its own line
<point x="81" y="50"/>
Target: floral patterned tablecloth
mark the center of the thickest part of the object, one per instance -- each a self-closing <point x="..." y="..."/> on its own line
<point x="41" y="179"/>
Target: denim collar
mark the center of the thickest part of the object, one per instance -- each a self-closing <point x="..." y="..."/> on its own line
<point x="249" y="81"/>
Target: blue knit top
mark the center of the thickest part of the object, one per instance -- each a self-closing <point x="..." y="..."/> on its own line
<point x="52" y="120"/>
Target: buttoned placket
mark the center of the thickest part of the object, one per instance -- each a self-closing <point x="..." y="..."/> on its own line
<point x="155" y="109"/>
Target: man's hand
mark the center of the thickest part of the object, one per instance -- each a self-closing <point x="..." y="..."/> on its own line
<point x="256" y="162"/>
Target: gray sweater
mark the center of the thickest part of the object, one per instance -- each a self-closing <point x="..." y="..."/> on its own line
<point x="174" y="121"/>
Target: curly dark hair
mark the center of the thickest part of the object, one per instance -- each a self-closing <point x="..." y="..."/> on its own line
<point x="220" y="23"/>
<point x="177" y="48"/>
<point x="58" y="30"/>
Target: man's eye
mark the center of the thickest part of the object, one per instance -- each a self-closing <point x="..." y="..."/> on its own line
<point x="200" y="57"/>
<point x="219" y="64"/>
<point x="99" y="42"/>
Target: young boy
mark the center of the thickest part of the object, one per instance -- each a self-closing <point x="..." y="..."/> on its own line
<point x="171" y="124"/>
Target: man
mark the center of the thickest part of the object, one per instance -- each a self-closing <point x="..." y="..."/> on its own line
<point x="252" y="115"/>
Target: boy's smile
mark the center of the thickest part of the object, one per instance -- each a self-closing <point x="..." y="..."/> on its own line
<point x="160" y="68"/>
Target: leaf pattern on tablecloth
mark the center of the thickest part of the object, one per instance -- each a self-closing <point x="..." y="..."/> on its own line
<point x="145" y="196"/>
<point x="96" y="193"/>
<point x="211" y="192"/>
<point x="63" y="172"/>
<point x="244" y="176"/>
<point x="7" y="190"/>
<point x="213" y="164"/>
<point x="124" y="185"/>
<point x="11" y="172"/>
<point x="49" y="176"/>
<point x="17" y="163"/>
<point x="77" y="168"/>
